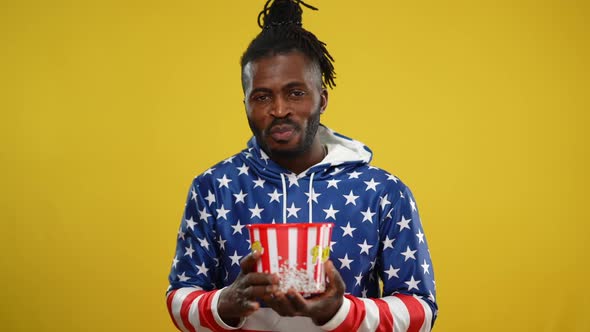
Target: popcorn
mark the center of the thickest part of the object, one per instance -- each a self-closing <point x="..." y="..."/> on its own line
<point x="298" y="279"/>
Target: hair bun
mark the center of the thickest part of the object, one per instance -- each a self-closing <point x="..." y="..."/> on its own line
<point x="281" y="12"/>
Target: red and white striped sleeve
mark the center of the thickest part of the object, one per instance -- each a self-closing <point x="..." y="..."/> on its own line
<point x="398" y="312"/>
<point x="193" y="309"/>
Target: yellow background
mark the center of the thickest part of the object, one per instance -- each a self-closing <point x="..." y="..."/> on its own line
<point x="109" y="108"/>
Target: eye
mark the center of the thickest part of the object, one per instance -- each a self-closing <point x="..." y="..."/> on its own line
<point x="261" y="98"/>
<point x="297" y="93"/>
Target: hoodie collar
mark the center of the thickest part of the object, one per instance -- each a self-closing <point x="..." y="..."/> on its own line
<point x="343" y="152"/>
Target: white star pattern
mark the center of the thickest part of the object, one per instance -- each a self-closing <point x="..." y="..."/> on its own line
<point x="330" y="213"/>
<point x="314" y="196"/>
<point x="365" y="247"/>
<point x="274" y="196"/>
<point x="203" y="215"/>
<point x="368" y="215"/>
<point x="240" y="197"/>
<point x="426" y="266"/>
<point x="345" y="262"/>
<point x="350" y="198"/>
<point x="224" y="182"/>
<point x="371" y="185"/>
<point x="209" y="171"/>
<point x="293" y="179"/>
<point x="354" y="175"/>
<point x="175" y="261"/>
<point x="229" y="160"/>
<point x="409" y="254"/>
<point x="202" y="269"/>
<point x="392" y="178"/>
<point x="189" y="250"/>
<point x="190" y="224"/>
<point x="193" y="194"/>
<point x="404" y="223"/>
<point x="333" y="183"/>
<point x="264" y="156"/>
<point x="388" y="243"/>
<point x="292" y="211"/>
<point x="336" y="171"/>
<point x="222" y="213"/>
<point x="182" y="277"/>
<point x="413" y="204"/>
<point x="243" y="170"/>
<point x="332" y="243"/>
<point x="259" y="183"/>
<point x="347" y="230"/>
<point x="256" y="212"/>
<point x="420" y="236"/>
<point x="235" y="258"/>
<point x="358" y="279"/>
<point x="413" y="283"/>
<point x="237" y="228"/>
<point x="388" y="216"/>
<point x="392" y="272"/>
<point x="204" y="243"/>
<point x="210" y="198"/>
<point x="221" y="243"/>
<point x="383" y="202"/>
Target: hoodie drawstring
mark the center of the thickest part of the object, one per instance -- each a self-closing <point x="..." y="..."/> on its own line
<point x="284" y="198"/>
<point x="311" y="194"/>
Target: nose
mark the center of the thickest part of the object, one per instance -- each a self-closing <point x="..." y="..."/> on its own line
<point x="280" y="108"/>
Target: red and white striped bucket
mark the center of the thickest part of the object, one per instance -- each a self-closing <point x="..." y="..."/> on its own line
<point x="296" y="252"/>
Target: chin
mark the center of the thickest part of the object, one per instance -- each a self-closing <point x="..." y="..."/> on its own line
<point x="286" y="152"/>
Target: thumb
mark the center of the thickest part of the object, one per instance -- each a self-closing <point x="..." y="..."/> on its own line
<point x="248" y="263"/>
<point x="333" y="277"/>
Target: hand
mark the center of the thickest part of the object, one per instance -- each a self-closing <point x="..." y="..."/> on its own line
<point x="239" y="299"/>
<point x="320" y="308"/>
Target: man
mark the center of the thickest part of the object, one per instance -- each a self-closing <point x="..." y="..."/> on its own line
<point x="297" y="170"/>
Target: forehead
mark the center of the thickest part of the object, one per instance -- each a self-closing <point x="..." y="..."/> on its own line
<point x="281" y="69"/>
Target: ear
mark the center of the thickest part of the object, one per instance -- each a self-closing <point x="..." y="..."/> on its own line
<point x="323" y="100"/>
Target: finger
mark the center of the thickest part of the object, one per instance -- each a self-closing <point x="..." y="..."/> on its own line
<point x="259" y="279"/>
<point x="297" y="302"/>
<point x="282" y="305"/>
<point x="259" y="292"/>
<point x="248" y="263"/>
<point x="334" y="280"/>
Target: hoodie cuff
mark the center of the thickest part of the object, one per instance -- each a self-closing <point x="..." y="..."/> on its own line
<point x="216" y="316"/>
<point x="339" y="317"/>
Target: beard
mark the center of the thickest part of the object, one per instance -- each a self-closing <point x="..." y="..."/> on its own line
<point x="307" y="136"/>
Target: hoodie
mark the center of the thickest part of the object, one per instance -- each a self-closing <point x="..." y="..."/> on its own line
<point x="378" y="243"/>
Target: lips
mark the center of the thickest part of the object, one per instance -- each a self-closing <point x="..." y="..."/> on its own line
<point x="281" y="132"/>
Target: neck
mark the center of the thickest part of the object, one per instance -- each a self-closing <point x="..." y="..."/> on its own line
<point x="297" y="164"/>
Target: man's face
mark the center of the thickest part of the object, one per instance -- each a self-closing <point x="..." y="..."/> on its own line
<point x="284" y="98"/>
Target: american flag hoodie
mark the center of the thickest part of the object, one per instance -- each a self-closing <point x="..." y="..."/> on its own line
<point x="378" y="243"/>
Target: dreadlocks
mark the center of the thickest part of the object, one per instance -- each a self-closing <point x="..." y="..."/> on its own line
<point x="282" y="32"/>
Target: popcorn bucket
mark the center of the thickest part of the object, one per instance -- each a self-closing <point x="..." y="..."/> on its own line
<point x="296" y="252"/>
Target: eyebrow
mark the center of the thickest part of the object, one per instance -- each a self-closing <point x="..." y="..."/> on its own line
<point x="287" y="86"/>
